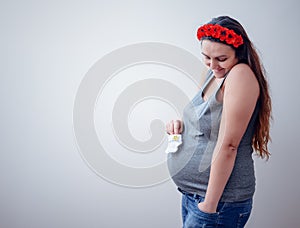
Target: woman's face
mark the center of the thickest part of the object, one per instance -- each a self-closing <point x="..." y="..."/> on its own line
<point x="219" y="57"/>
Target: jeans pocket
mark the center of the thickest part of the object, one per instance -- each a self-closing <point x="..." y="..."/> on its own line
<point x="204" y="218"/>
<point x="206" y="215"/>
<point x="243" y="218"/>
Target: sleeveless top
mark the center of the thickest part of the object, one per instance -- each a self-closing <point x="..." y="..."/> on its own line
<point x="189" y="167"/>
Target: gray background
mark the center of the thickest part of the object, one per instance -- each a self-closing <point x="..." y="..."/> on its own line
<point x="46" y="49"/>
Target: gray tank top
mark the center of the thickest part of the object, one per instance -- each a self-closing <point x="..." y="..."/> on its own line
<point x="189" y="167"/>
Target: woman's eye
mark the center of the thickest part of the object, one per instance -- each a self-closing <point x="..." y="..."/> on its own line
<point x="222" y="60"/>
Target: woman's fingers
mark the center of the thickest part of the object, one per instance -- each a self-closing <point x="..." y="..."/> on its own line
<point x="174" y="127"/>
<point x="170" y="128"/>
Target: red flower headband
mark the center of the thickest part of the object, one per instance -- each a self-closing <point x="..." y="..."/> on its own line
<point x="221" y="33"/>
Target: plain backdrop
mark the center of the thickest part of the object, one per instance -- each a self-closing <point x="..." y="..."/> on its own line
<point x="46" y="48"/>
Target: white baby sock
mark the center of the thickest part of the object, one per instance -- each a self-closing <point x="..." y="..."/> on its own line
<point x="173" y="142"/>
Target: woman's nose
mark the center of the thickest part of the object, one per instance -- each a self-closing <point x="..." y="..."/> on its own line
<point x="213" y="64"/>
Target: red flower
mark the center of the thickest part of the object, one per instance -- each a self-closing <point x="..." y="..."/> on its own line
<point x="230" y="39"/>
<point x="215" y="31"/>
<point x="221" y="33"/>
<point x="238" y="41"/>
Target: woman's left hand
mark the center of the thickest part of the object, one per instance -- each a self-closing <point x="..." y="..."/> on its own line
<point x="206" y="208"/>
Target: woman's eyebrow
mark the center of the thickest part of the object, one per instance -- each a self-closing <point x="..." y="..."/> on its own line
<point x="204" y="54"/>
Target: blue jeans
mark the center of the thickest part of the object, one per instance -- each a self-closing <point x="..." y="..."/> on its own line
<point x="228" y="215"/>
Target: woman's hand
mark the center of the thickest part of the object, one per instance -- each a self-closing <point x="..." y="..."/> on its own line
<point x="207" y="208"/>
<point x="174" y="127"/>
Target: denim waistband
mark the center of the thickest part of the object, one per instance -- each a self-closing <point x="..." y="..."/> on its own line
<point x="194" y="195"/>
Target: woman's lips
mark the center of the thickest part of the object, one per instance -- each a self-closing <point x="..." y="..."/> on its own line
<point x="217" y="71"/>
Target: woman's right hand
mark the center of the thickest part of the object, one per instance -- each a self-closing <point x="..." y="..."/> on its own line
<point x="174" y="127"/>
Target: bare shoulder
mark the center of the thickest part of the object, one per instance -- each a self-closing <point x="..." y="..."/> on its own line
<point x="242" y="78"/>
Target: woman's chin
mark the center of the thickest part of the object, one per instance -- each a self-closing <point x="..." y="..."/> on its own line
<point x="219" y="73"/>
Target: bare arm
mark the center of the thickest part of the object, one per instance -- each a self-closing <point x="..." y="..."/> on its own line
<point x="240" y="96"/>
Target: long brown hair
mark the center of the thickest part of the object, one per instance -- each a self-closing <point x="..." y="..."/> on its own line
<point x="247" y="53"/>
